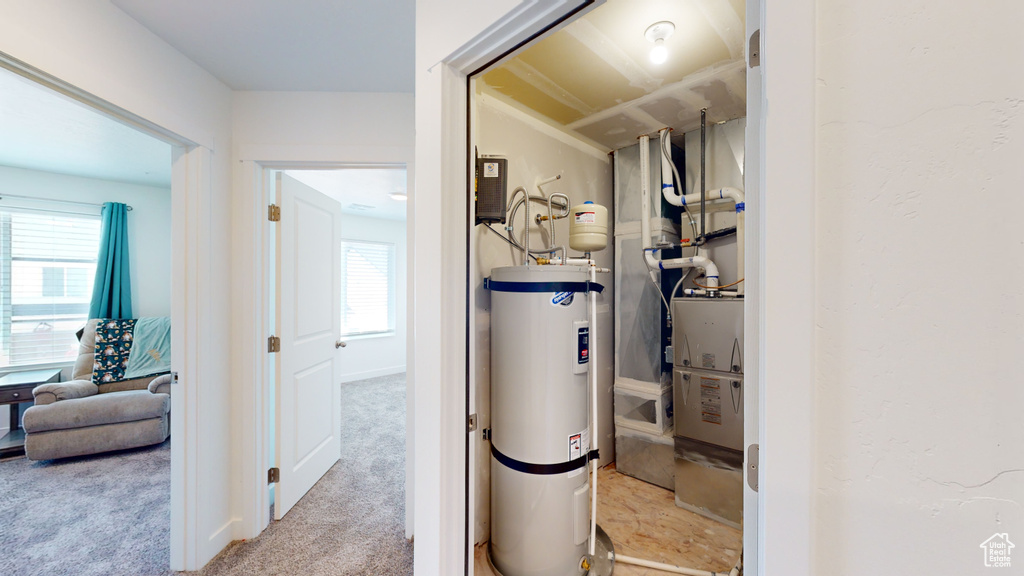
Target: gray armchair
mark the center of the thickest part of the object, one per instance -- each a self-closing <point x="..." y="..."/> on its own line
<point x="77" y="417"/>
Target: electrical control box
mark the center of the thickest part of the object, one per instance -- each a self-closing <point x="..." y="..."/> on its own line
<point x="491" y="189"/>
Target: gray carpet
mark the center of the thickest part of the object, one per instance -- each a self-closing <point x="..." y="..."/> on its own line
<point x="352" y="522"/>
<point x="108" y="515"/>
<point x="89" y="516"/>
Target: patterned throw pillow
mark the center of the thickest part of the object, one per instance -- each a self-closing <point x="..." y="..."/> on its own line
<point x="113" y="346"/>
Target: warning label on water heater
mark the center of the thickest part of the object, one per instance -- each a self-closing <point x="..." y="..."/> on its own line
<point x="575" y="446"/>
<point x="710" y="400"/>
<point x="586" y="217"/>
<point x="578" y="444"/>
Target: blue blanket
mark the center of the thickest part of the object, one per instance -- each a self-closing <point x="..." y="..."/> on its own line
<point x="151" y="348"/>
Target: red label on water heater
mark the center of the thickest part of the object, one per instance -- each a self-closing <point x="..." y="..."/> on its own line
<point x="583" y="345"/>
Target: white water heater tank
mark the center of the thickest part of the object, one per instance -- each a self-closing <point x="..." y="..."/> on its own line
<point x="588" y="227"/>
<point x="540" y="352"/>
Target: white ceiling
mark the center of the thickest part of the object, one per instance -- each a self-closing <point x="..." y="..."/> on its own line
<point x="293" y="45"/>
<point x="594" y="78"/>
<point x="361" y="191"/>
<point x="46" y="131"/>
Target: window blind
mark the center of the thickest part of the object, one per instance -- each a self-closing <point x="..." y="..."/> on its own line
<point x="367" y="287"/>
<point x="47" y="268"/>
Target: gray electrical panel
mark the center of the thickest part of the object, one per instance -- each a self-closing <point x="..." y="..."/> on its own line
<point x="491" y="189"/>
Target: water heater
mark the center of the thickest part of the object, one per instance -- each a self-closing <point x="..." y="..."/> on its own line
<point x="540" y="352"/>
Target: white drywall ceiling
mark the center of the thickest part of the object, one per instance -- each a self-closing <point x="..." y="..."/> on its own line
<point x="46" y="131"/>
<point x="360" y="191"/>
<point x="594" y="77"/>
<point x="298" y="45"/>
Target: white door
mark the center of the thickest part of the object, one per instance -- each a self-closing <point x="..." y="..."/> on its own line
<point x="309" y="322"/>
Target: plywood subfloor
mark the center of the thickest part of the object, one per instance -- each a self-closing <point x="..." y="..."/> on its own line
<point x="644" y="522"/>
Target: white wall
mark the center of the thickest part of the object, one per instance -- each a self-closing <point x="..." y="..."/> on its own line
<point x="920" y="286"/>
<point x="378" y="355"/>
<point x="296" y="130"/>
<point x="99" y="49"/>
<point x="149" y="225"/>
<point x="535" y="152"/>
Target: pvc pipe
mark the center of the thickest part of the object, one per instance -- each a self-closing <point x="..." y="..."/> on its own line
<point x="727" y="193"/>
<point x="575" y="262"/>
<point x="702" y="262"/>
<point x="645" y="202"/>
<point x="672" y="568"/>
<point x="740" y="248"/>
<point x="593" y="407"/>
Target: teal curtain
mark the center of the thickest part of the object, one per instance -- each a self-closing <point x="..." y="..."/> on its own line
<point x="112" y="290"/>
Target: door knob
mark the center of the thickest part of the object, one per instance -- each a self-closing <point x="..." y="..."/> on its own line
<point x="340" y="344"/>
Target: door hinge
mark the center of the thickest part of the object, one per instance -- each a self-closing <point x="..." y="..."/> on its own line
<point x="273" y="344"/>
<point x="754" y="49"/>
<point x="487" y="433"/>
<point x="273" y="475"/>
<point x="471" y="423"/>
<point x="274" y="213"/>
<point x="752" y="457"/>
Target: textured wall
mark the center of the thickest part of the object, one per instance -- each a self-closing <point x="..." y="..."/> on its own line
<point x="920" y="285"/>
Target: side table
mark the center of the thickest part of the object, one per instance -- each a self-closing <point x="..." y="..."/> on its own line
<point x="16" y="388"/>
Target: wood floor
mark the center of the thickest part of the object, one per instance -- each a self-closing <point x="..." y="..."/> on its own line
<point x="644" y="522"/>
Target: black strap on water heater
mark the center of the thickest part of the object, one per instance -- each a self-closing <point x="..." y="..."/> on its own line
<point x="543" y="469"/>
<point x="499" y="286"/>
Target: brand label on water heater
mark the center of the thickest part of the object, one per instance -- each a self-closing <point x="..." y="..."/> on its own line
<point x="490" y="169"/>
<point x="562" y="298"/>
<point x="586" y="217"/>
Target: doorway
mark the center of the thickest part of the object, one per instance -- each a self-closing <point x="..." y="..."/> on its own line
<point x="368" y="261"/>
<point x="157" y="227"/>
<point x="533" y="86"/>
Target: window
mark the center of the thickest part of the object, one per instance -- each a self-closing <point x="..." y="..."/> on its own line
<point x="47" y="267"/>
<point x="367" y="287"/>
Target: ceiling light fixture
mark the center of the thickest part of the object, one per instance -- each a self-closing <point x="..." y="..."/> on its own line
<point x="657" y="33"/>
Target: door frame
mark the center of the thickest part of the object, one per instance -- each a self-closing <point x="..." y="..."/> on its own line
<point x="783" y="235"/>
<point x="252" y="187"/>
<point x="191" y="175"/>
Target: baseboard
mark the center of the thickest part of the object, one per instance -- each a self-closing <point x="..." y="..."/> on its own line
<point x="373" y="373"/>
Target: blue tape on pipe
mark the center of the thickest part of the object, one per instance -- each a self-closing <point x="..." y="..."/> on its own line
<point x="666" y="185"/>
<point x="741" y="206"/>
